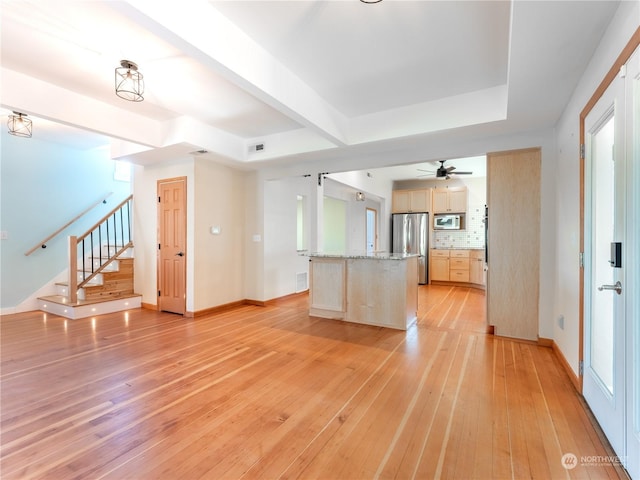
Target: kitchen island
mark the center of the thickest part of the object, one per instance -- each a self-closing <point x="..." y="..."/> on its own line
<point x="374" y="289"/>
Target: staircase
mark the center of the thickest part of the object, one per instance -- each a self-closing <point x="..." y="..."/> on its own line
<point x="100" y="275"/>
<point x="108" y="292"/>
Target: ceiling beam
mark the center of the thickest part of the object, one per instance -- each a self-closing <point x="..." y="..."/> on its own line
<point x="209" y="37"/>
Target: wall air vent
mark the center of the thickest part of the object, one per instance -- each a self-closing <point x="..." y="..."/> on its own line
<point x="302" y="282"/>
<point x="258" y="147"/>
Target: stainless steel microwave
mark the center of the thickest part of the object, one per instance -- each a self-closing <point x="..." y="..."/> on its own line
<point x="448" y="222"/>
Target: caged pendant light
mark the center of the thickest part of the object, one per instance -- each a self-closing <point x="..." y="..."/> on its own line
<point x="19" y="125"/>
<point x="129" y="82"/>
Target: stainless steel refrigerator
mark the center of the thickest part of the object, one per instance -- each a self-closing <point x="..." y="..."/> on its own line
<point x="410" y="234"/>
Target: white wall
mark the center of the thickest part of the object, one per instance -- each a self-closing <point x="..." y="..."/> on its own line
<point x="566" y="301"/>
<point x="282" y="262"/>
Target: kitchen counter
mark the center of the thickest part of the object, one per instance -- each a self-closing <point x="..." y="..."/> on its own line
<point x="362" y="255"/>
<point x="378" y="289"/>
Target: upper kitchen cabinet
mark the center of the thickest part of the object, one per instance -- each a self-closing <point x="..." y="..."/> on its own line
<point x="407" y="201"/>
<point x="450" y="200"/>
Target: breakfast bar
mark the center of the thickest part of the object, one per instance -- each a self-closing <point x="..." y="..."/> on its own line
<point x="374" y="289"/>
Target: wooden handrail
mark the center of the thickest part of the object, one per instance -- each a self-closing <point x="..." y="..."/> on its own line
<point x="99" y="222"/>
<point x="78" y="243"/>
<point x="43" y="243"/>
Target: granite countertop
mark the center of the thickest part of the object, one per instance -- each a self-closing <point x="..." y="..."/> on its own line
<point x="362" y="255"/>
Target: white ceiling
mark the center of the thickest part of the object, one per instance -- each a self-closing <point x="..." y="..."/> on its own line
<point x="305" y="78"/>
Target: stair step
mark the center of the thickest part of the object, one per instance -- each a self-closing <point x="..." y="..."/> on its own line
<point x="62" y="288"/>
<point x="110" y="250"/>
<point x="59" y="305"/>
<point x="109" y="291"/>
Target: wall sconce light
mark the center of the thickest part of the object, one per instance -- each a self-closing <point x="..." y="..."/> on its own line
<point x="129" y="82"/>
<point x="359" y="197"/>
<point x="19" y="125"/>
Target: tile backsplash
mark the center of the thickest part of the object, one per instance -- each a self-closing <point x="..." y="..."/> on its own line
<point x="471" y="237"/>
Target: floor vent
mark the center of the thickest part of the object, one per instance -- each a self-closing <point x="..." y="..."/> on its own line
<point x="302" y="282"/>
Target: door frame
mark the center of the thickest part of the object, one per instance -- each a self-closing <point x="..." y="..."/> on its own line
<point x="375" y="228"/>
<point x="183" y="180"/>
<point x="622" y="59"/>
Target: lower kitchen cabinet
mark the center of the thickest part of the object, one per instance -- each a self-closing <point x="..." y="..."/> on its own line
<point x="458" y="266"/>
<point x="379" y="290"/>
<point x="439" y="265"/>
<point x="329" y="279"/>
<point x="476" y="267"/>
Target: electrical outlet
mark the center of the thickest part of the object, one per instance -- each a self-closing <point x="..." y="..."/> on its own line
<point x="561" y="321"/>
<point x="4" y="235"/>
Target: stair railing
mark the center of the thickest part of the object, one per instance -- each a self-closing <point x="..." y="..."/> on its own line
<point x="43" y="243"/>
<point x="87" y="257"/>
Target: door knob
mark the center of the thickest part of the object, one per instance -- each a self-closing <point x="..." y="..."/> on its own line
<point x="180" y="254"/>
<point x="617" y="287"/>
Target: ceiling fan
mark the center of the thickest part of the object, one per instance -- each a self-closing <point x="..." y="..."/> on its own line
<point x="443" y="172"/>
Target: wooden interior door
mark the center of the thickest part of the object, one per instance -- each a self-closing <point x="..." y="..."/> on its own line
<point x="172" y="243"/>
<point x="513" y="276"/>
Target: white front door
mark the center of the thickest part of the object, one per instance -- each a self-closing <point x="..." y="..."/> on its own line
<point x="610" y="383"/>
<point x="632" y="148"/>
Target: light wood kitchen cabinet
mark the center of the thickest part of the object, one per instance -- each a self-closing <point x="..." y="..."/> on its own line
<point x="459" y="266"/>
<point x="439" y="265"/>
<point x="450" y="200"/>
<point x="328" y="280"/>
<point x="407" y="201"/>
<point x="476" y="267"/>
<point x="377" y="290"/>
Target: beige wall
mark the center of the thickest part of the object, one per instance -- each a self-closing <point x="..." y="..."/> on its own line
<point x="219" y="201"/>
<point x="215" y="263"/>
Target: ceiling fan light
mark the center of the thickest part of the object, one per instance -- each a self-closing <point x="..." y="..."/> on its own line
<point x="129" y="82"/>
<point x="19" y="125"/>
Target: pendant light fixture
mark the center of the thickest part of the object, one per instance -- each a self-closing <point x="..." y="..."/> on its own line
<point x="19" y="125"/>
<point x="129" y="82"/>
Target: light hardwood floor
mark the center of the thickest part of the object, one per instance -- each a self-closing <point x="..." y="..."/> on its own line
<point x="268" y="392"/>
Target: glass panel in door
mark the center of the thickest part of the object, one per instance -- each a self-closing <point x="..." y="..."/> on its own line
<point x="602" y="305"/>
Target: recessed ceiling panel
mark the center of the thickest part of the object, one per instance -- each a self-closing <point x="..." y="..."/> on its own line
<point x="363" y="58"/>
